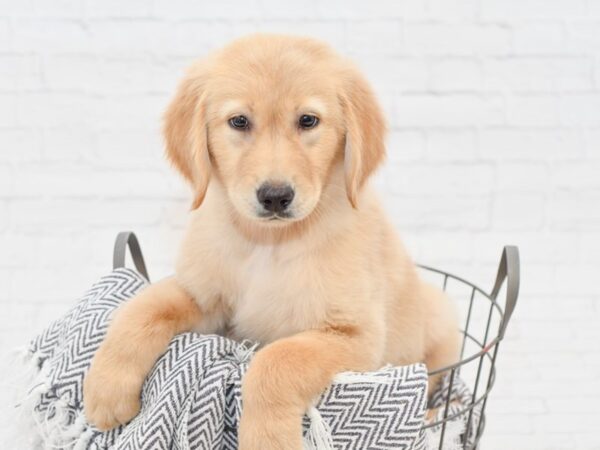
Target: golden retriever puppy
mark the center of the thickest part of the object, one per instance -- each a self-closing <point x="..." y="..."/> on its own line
<point x="286" y="245"/>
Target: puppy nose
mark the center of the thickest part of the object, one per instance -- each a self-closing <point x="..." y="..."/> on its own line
<point x="275" y="197"/>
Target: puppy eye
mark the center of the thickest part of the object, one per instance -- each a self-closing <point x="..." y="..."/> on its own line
<point x="307" y="121"/>
<point x="239" y="122"/>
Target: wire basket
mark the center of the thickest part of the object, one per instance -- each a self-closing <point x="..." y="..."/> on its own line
<point x="485" y="323"/>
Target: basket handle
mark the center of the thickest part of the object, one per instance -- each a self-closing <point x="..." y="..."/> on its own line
<point x="509" y="270"/>
<point x="128" y="239"/>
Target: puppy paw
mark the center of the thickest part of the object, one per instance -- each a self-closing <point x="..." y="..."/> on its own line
<point x="111" y="395"/>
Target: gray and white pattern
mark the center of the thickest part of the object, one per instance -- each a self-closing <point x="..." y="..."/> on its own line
<point x="191" y="399"/>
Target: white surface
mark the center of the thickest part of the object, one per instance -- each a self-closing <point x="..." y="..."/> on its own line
<point x="494" y="109"/>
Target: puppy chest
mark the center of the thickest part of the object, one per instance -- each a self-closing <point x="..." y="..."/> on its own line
<point x="275" y="297"/>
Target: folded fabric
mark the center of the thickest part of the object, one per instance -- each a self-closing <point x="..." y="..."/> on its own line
<point x="192" y="399"/>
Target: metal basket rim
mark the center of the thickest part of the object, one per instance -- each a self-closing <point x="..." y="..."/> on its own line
<point x="485" y="347"/>
<point x="471" y="405"/>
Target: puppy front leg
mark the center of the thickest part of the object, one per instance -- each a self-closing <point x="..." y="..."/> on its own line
<point x="287" y="375"/>
<point x="138" y="334"/>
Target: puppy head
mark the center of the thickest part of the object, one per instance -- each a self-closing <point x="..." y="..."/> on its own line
<point x="269" y="117"/>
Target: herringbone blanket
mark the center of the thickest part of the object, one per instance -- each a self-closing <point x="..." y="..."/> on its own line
<point x="191" y="399"/>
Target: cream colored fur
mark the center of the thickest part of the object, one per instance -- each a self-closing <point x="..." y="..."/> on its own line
<point x="327" y="290"/>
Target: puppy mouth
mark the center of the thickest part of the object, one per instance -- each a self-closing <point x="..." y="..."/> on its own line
<point x="275" y="217"/>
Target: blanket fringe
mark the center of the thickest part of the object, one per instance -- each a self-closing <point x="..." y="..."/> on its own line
<point x="452" y="436"/>
<point x="31" y="428"/>
<point x="357" y="377"/>
<point x="244" y="351"/>
<point x="318" y="436"/>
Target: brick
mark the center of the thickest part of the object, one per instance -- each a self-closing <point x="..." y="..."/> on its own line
<point x="580" y="109"/>
<point x="394" y="75"/>
<point x="455" y="39"/>
<point x="336" y="9"/>
<point x="590" y="247"/>
<point x="332" y="32"/>
<point x="362" y="34"/>
<point x="454" y="9"/>
<point x="17" y="250"/>
<point x="516" y="424"/>
<point x="196" y="38"/>
<point x="189" y="10"/>
<point x="31" y="35"/>
<point x="21" y="145"/>
<point x="577" y="280"/>
<point x="67" y="144"/>
<point x="112" y="9"/>
<point x="581" y="175"/>
<point x="405" y="146"/>
<point x="5" y="35"/>
<point x="586" y="333"/>
<point x="593" y="9"/>
<point x="592" y="144"/>
<point x="555" y="441"/>
<point x="528" y="9"/>
<point x="133" y="149"/>
<point x="457" y="110"/>
<point x="586" y="439"/>
<point x="52" y="109"/>
<point x="533" y="74"/>
<point x="533" y="110"/>
<point x="528" y="405"/>
<point x="583" y="36"/>
<point x="522" y="144"/>
<point x="516" y="211"/>
<point x="81" y="182"/>
<point x="550" y="333"/>
<point x="73" y="72"/>
<point x="6" y="181"/>
<point x="137" y="37"/>
<point x="451" y="145"/>
<point x="71" y="9"/>
<point x="4" y="294"/>
<point x="112" y="75"/>
<point x="69" y="214"/>
<point x="535" y="247"/>
<point x="20" y="72"/>
<point x="274" y="9"/>
<point x="439" y="212"/>
<point x="16" y="9"/>
<point x="51" y="250"/>
<point x="523" y="177"/>
<point x="8" y="110"/>
<point x="574" y="210"/>
<point x="49" y="291"/>
<point x="447" y="247"/>
<point x="456" y="74"/>
<point x="4" y="215"/>
<point x="535" y="38"/>
<point x="450" y="179"/>
<point x="128" y="112"/>
<point x="550" y="423"/>
<point x="574" y="309"/>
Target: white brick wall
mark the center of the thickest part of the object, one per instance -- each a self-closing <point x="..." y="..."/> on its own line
<point x="494" y="110"/>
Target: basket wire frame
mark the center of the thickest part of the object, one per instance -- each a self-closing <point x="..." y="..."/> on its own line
<point x="486" y="347"/>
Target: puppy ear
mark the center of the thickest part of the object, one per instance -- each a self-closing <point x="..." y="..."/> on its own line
<point x="185" y="132"/>
<point x="365" y="133"/>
